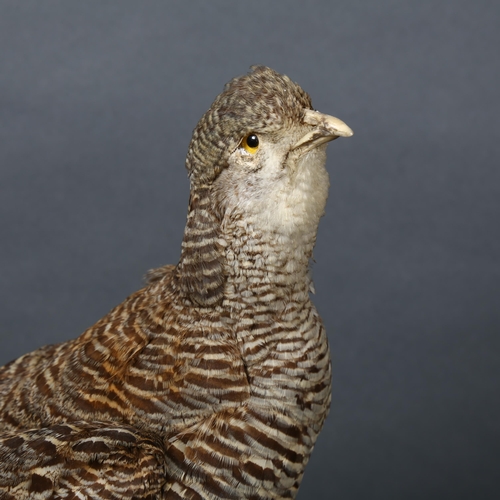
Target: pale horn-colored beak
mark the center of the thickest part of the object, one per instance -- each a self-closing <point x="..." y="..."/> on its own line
<point x="326" y="128"/>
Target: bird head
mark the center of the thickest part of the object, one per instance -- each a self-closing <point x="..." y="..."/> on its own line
<point x="258" y="154"/>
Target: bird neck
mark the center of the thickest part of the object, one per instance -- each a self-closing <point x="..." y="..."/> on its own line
<point x="266" y="268"/>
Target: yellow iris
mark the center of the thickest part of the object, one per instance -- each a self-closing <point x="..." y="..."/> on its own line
<point x="251" y="143"/>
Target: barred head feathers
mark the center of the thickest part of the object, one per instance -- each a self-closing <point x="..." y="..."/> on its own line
<point x="260" y="100"/>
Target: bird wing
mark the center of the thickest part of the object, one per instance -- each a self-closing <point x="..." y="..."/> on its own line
<point x="80" y="461"/>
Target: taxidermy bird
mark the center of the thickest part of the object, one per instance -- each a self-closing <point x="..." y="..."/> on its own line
<point x="213" y="381"/>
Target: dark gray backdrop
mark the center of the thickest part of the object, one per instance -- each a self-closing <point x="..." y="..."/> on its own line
<point x="97" y="104"/>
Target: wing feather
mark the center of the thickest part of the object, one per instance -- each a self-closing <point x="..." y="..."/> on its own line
<point x="81" y="460"/>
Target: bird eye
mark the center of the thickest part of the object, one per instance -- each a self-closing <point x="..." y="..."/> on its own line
<point x="251" y="143"/>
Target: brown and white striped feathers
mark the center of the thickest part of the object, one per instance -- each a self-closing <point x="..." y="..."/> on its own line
<point x="213" y="381"/>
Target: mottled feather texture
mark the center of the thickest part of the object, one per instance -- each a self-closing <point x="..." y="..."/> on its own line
<point x="213" y="381"/>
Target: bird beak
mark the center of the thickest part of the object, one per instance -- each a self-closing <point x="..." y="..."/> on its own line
<point x="326" y="128"/>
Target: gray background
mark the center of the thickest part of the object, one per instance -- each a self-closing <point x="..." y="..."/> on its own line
<point x="97" y="104"/>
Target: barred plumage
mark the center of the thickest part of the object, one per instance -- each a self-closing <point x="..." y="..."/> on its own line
<point x="213" y="381"/>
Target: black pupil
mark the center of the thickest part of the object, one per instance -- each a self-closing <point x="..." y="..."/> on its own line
<point x="252" y="141"/>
